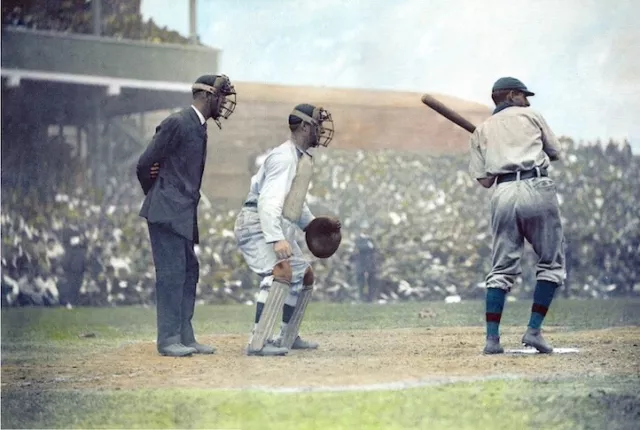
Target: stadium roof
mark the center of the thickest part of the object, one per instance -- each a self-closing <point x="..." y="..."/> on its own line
<point x="71" y="74"/>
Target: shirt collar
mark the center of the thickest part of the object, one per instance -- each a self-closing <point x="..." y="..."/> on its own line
<point x="202" y="120"/>
<point x="502" y="106"/>
<point x="299" y="150"/>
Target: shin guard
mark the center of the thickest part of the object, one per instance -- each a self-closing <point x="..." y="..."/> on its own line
<point x="272" y="308"/>
<point x="293" y="327"/>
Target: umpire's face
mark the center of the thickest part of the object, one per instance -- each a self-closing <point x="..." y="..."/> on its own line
<point x="216" y="102"/>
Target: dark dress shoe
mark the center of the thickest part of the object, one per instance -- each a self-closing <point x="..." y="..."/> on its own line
<point x="176" y="350"/>
<point x="202" y="349"/>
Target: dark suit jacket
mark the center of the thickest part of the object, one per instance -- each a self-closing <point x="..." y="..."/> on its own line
<point x="180" y="146"/>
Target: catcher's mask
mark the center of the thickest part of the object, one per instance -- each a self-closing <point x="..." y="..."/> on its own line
<point x="223" y="88"/>
<point x="322" y="122"/>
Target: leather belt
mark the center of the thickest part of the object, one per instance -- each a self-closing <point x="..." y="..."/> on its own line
<point x="523" y="174"/>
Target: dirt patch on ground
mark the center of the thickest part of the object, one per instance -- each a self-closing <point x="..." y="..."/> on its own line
<point x="344" y="358"/>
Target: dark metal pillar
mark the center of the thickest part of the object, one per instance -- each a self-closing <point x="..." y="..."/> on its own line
<point x="96" y="12"/>
<point x="143" y="125"/>
<point x="193" y="33"/>
<point x="95" y="144"/>
<point x="80" y="152"/>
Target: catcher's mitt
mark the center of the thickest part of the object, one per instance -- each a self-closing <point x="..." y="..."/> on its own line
<point x="323" y="236"/>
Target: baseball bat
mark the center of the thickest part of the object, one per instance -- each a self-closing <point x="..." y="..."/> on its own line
<point x="448" y="113"/>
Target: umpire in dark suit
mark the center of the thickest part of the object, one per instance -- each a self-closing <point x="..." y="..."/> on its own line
<point x="170" y="173"/>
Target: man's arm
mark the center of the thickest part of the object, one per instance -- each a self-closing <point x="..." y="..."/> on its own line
<point x="279" y="171"/>
<point x="476" y="162"/>
<point x="163" y="143"/>
<point x="306" y="217"/>
<point x="550" y="143"/>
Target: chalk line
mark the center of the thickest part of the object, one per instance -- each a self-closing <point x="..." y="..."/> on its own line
<point x="388" y="386"/>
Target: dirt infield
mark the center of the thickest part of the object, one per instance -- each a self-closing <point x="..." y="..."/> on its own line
<point x="344" y="358"/>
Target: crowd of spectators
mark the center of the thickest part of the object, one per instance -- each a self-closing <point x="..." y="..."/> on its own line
<point x="120" y="19"/>
<point x="424" y="223"/>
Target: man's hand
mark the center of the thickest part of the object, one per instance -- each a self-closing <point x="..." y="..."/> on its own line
<point x="155" y="168"/>
<point x="282" y="249"/>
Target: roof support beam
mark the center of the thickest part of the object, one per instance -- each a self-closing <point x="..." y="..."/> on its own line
<point x="113" y="84"/>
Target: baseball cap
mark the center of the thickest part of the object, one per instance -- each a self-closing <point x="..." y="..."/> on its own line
<point x="510" y="83"/>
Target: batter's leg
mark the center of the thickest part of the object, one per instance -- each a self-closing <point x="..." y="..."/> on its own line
<point x="543" y="229"/>
<point x="507" y="248"/>
<point x="494" y="305"/>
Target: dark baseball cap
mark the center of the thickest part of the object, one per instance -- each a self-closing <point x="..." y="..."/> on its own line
<point x="509" y="83"/>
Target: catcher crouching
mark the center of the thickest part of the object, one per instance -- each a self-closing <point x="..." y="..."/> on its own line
<point x="265" y="231"/>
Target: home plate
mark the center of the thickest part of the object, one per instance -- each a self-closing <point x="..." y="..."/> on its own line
<point x="535" y="351"/>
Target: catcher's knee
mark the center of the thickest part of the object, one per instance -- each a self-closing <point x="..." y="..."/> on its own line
<point x="282" y="272"/>
<point x="308" y="278"/>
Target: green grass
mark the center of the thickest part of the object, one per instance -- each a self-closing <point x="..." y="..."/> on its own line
<point x="136" y="323"/>
<point x="36" y="336"/>
<point x="597" y="403"/>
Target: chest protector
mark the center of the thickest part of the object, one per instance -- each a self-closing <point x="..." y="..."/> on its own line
<point x="292" y="208"/>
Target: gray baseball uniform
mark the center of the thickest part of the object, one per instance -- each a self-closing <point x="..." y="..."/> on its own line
<point x="513" y="146"/>
<point x="260" y="223"/>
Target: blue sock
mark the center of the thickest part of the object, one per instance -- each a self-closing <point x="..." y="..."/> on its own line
<point x="494" y="306"/>
<point x="542" y="297"/>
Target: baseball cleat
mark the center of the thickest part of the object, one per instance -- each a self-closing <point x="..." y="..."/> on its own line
<point x="300" y="343"/>
<point x="268" y="350"/>
<point x="532" y="337"/>
<point x="493" y="346"/>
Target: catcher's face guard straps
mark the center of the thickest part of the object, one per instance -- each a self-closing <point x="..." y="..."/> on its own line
<point x="322" y="121"/>
<point x="222" y="88"/>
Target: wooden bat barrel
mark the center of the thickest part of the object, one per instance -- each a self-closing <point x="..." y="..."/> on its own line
<point x="448" y="113"/>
